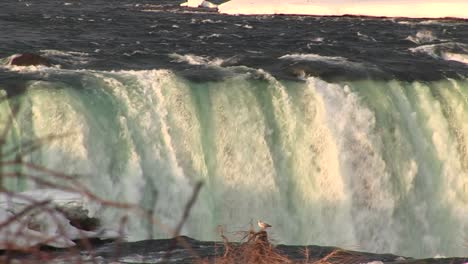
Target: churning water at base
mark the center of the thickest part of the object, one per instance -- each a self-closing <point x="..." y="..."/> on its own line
<point x="376" y="165"/>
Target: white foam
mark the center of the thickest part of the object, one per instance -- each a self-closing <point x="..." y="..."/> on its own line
<point x="359" y="152"/>
<point x="25" y="69"/>
<point x="422" y="36"/>
<point x="73" y="57"/>
<point x="444" y="51"/>
<point x="314" y="57"/>
<point x="397" y="8"/>
<point x="365" y="37"/>
<point x="210" y="36"/>
<point x="196" y="60"/>
<point x="432" y="22"/>
<point x="427" y="49"/>
<point x="333" y="60"/>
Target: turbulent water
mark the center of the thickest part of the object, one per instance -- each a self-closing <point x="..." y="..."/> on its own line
<point x="340" y="131"/>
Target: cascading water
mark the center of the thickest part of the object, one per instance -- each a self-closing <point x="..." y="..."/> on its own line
<point x="376" y="165"/>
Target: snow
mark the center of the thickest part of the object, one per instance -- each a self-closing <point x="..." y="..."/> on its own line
<point x="192" y="3"/>
<point x="46" y="224"/>
<point x="389" y="8"/>
<point x="462" y="58"/>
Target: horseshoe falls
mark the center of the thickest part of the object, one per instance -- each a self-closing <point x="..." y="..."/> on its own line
<point x="373" y="164"/>
<point x="337" y="131"/>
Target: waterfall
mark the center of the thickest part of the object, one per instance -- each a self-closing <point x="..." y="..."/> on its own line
<point x="373" y="165"/>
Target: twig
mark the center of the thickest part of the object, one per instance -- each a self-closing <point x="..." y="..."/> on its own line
<point x="188" y="207"/>
<point x="184" y="218"/>
<point x="32" y="145"/>
<point x="26" y="210"/>
<point x="14" y="112"/>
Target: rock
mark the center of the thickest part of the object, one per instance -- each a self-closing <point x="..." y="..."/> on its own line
<point x="28" y="59"/>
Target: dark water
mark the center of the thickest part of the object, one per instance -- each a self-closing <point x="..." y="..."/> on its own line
<point x="141" y="34"/>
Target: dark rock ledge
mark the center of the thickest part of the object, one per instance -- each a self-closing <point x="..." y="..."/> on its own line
<point x="187" y="250"/>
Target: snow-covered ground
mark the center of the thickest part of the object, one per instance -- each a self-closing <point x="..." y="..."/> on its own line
<point x="388" y="8"/>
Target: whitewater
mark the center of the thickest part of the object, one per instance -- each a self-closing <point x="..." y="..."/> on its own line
<point x="355" y="138"/>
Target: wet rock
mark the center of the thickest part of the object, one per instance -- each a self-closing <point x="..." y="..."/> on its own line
<point x="28" y="59"/>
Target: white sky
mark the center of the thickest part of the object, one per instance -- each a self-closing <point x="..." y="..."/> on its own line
<point x="389" y="8"/>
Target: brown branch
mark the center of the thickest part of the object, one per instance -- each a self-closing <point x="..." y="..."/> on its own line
<point x="88" y="194"/>
<point x="36" y="205"/>
<point x="9" y="124"/>
<point x="32" y="166"/>
<point x="188" y="207"/>
<point x="32" y="145"/>
<point x="84" y="241"/>
<point x="117" y="248"/>
<point x="184" y="218"/>
<point x="79" y="190"/>
<point x="23" y="212"/>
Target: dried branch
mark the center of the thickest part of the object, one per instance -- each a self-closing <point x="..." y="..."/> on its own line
<point x="30" y="146"/>
<point x="23" y="212"/>
<point x="188" y="207"/>
<point x="9" y="123"/>
<point x="184" y="218"/>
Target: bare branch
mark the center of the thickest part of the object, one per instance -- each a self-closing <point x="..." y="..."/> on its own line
<point x="23" y="212"/>
<point x="184" y="218"/>
<point x="188" y="207"/>
<point x="33" y="145"/>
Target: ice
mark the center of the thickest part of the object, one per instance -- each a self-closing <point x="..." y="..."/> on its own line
<point x="462" y="58"/>
<point x="48" y="221"/>
<point x="192" y="3"/>
<point x="208" y="4"/>
<point x="395" y="8"/>
<point x="199" y="3"/>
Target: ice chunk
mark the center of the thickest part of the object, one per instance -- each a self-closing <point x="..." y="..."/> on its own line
<point x="58" y="218"/>
<point x="463" y="58"/>
<point x="208" y="4"/>
<point x="199" y="3"/>
<point x="192" y="3"/>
